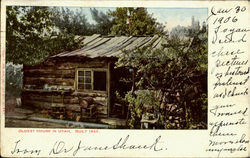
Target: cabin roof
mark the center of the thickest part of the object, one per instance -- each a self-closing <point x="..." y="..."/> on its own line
<point x="100" y="46"/>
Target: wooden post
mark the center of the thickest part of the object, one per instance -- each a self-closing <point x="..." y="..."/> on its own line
<point x="108" y="89"/>
<point x="133" y="79"/>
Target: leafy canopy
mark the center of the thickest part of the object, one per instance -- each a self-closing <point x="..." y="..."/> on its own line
<point x="31" y="35"/>
<point x="71" y="22"/>
<point x="134" y="22"/>
<point x="170" y="66"/>
<point x="103" y="22"/>
<point x="35" y="33"/>
<point x="178" y="70"/>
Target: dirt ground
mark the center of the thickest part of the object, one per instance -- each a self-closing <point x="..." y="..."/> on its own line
<point x="14" y="123"/>
<point x="20" y="117"/>
<point x="11" y="110"/>
<point x="23" y="123"/>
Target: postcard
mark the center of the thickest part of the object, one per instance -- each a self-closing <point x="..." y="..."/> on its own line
<point x="125" y="78"/>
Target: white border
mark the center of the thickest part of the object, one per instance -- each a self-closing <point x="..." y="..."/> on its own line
<point x="180" y="143"/>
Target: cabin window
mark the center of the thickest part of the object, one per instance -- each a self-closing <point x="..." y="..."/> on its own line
<point x="91" y="80"/>
<point x="84" y="80"/>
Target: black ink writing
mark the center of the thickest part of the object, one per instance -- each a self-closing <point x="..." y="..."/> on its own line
<point x="231" y="74"/>
<point x="215" y="12"/>
<point x="227" y="35"/>
<point x="231" y="92"/>
<point x="230" y="81"/>
<point x="236" y="71"/>
<point x="17" y="150"/>
<point x="59" y="147"/>
<point x="222" y="53"/>
<point x="217" y="125"/>
<point x="235" y="61"/>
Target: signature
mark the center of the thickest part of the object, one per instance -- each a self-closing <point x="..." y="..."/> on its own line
<point x="59" y="147"/>
<point x="17" y="150"/>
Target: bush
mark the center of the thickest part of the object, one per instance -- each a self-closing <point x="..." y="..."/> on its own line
<point x="13" y="80"/>
<point x="139" y="103"/>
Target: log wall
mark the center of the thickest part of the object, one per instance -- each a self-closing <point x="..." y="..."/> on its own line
<point x="59" y="74"/>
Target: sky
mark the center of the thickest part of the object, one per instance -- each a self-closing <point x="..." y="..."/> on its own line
<point x="170" y="17"/>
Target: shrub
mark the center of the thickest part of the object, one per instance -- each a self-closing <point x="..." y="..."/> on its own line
<point x="13" y="80"/>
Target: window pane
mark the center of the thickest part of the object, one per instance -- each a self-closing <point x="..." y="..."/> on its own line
<point x="80" y="86"/>
<point x="81" y="79"/>
<point x="87" y="86"/>
<point x="80" y="73"/>
<point x="84" y="86"/>
<point x="87" y="73"/>
<point x="87" y="80"/>
<point x="100" y="80"/>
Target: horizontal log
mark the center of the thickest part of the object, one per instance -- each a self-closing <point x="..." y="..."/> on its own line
<point x="102" y="116"/>
<point x="43" y="105"/>
<point x="69" y="65"/>
<point x="57" y="105"/>
<point x="82" y="65"/>
<point x="72" y="107"/>
<point x="54" y="99"/>
<point x="49" y="73"/>
<point x="102" y="97"/>
<point x="102" y="102"/>
<point x="59" y="99"/>
<point x="90" y="94"/>
<point x="49" y="81"/>
<point x="37" y="104"/>
<point x="69" y="95"/>
<point x="47" y="105"/>
<point x="102" y="110"/>
<point x="71" y="101"/>
<point x="46" y="93"/>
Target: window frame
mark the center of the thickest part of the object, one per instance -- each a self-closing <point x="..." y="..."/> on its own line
<point x="92" y="70"/>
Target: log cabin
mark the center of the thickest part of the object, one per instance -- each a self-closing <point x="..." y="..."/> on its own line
<point x="72" y="80"/>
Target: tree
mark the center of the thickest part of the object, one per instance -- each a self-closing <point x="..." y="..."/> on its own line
<point x="178" y="70"/>
<point x="104" y="22"/>
<point x="31" y="35"/>
<point x="71" y="22"/>
<point x="178" y="32"/>
<point x="134" y="22"/>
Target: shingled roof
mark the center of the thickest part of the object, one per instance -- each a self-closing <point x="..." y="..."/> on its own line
<point x="99" y="46"/>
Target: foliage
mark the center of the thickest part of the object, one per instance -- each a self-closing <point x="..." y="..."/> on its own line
<point x="139" y="103"/>
<point x="35" y="33"/>
<point x="165" y="67"/>
<point x="13" y="80"/>
<point x="119" y="99"/>
<point x="134" y="22"/>
<point x="178" y="31"/>
<point x="104" y="22"/>
<point x="71" y="22"/>
<point x="199" y="114"/>
<point x="24" y="29"/>
<point x="31" y="36"/>
<point x="75" y="22"/>
<point x="178" y="70"/>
